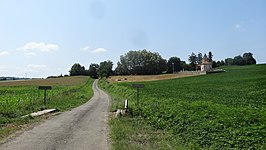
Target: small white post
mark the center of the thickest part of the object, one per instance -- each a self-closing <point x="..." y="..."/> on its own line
<point x="126" y="104"/>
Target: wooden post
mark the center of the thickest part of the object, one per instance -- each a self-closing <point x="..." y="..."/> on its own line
<point x="138" y="86"/>
<point x="45" y="88"/>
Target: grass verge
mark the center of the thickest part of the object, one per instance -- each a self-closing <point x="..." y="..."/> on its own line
<point x="66" y="99"/>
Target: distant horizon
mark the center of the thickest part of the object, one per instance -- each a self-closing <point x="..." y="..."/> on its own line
<point x="68" y="75"/>
<point x="45" y="38"/>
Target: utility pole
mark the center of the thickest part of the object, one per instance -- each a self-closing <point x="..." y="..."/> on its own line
<point x="173" y="67"/>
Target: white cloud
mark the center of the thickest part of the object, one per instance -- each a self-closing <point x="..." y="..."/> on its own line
<point x="3" y="53"/>
<point x="87" y="48"/>
<point x="99" y="50"/>
<point x="237" y="26"/>
<point x="41" y="46"/>
<point x="30" y="54"/>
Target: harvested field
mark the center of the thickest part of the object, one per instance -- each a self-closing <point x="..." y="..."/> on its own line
<point x="140" y="78"/>
<point x="77" y="80"/>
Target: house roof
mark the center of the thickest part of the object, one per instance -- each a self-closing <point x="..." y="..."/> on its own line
<point x="206" y="63"/>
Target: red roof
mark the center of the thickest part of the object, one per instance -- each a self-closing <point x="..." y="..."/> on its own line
<point x="206" y="63"/>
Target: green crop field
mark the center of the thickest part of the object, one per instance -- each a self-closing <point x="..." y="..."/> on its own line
<point x="18" y="98"/>
<point x="214" y="111"/>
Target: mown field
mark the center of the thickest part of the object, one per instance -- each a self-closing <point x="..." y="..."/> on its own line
<point x="18" y="98"/>
<point x="215" y="111"/>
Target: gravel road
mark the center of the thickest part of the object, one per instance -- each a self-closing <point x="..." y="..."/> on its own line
<point x="82" y="128"/>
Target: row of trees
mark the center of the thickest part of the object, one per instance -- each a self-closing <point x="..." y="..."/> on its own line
<point x="143" y="62"/>
<point x="246" y="59"/>
<point x="95" y="70"/>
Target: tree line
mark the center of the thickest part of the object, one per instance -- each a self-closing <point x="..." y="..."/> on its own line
<point x="95" y="70"/>
<point x="246" y="59"/>
<point x="144" y="62"/>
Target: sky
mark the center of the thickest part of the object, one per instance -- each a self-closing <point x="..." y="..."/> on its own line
<point x="40" y="38"/>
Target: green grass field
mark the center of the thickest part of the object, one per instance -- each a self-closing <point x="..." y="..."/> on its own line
<point x="21" y="98"/>
<point x="215" y="111"/>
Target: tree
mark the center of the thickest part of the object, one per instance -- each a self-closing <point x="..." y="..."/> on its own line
<point x="93" y="71"/>
<point x="205" y="57"/>
<point x="238" y="60"/>
<point x="248" y="59"/>
<point x="121" y="69"/>
<point x="229" y="61"/>
<point x="162" y="66"/>
<point x="215" y="64"/>
<point x="141" y="62"/>
<point x="174" y="62"/>
<point x="199" y="58"/>
<point x="77" y="69"/>
<point x="105" y="69"/>
<point x="222" y="63"/>
<point x="193" y="61"/>
<point x="210" y="57"/>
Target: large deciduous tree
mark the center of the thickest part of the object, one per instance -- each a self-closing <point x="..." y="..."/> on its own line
<point x="141" y="62"/>
<point x="77" y="69"/>
<point x="93" y="71"/>
<point x="174" y="64"/>
<point x="248" y="58"/>
<point x="229" y="61"/>
<point x="238" y="60"/>
<point x="105" y="69"/>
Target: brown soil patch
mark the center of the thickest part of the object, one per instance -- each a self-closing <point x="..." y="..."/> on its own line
<point x="77" y="80"/>
<point x="140" y="78"/>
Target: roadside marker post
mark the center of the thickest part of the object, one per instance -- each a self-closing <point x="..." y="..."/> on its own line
<point x="44" y="95"/>
<point x="138" y="86"/>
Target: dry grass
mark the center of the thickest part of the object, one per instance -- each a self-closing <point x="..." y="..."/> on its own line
<point x="140" y="78"/>
<point x="76" y="80"/>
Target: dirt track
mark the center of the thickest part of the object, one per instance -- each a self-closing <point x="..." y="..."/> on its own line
<point x="82" y="128"/>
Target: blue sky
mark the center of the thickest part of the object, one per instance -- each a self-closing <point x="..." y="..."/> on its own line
<point x="46" y="37"/>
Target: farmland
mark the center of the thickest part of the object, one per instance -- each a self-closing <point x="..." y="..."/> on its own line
<point x="216" y="111"/>
<point x="18" y="98"/>
<point x="140" y="78"/>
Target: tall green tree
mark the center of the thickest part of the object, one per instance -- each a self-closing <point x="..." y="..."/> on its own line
<point x="121" y="69"/>
<point x="238" y="60"/>
<point x="199" y="58"/>
<point x="229" y="61"/>
<point x="141" y="62"/>
<point x="105" y="69"/>
<point x="77" y="69"/>
<point x="193" y="61"/>
<point x="174" y="64"/>
<point x="210" y="56"/>
<point x="248" y="58"/>
<point x="93" y="71"/>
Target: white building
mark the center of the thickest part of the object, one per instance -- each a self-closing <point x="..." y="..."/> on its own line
<point x="206" y="66"/>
